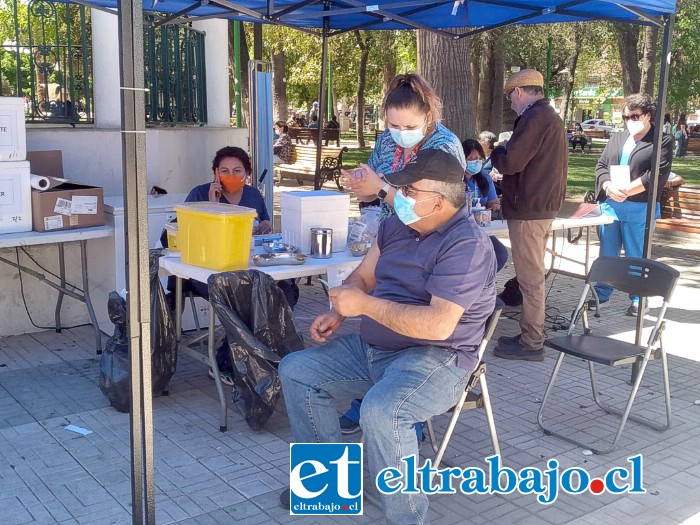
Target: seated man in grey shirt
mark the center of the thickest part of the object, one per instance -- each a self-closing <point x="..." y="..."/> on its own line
<point x="424" y="291"/>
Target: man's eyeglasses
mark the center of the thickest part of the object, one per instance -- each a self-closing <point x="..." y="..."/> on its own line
<point x="509" y="94"/>
<point x="410" y="191"/>
<point x="633" y="117"/>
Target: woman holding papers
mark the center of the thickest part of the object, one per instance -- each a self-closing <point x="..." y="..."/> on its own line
<point x="623" y="177"/>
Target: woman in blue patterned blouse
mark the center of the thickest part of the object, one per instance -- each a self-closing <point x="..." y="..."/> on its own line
<point x="412" y="112"/>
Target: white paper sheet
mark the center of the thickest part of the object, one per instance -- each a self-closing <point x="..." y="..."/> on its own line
<point x="620" y="176"/>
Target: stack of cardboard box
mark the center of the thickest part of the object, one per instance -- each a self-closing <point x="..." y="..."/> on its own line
<point x="15" y="189"/>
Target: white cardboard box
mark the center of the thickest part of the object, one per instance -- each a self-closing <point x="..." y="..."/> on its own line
<point x="15" y="197"/>
<point x="303" y="210"/>
<point x="13" y="134"/>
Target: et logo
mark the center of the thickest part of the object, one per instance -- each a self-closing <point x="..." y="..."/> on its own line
<point x="325" y="478"/>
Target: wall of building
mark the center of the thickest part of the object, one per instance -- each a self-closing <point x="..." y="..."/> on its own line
<point x="177" y="159"/>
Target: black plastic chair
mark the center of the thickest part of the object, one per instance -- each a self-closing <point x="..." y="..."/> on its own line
<point x="470" y="399"/>
<point x="637" y="276"/>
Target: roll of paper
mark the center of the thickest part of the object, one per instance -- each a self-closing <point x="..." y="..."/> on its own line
<point x="41" y="183"/>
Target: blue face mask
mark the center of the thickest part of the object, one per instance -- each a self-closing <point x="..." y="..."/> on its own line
<point x="474" y="166"/>
<point x="403" y="207"/>
<point x="407" y="138"/>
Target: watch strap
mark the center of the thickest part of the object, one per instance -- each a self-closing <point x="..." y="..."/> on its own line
<point x="384" y="191"/>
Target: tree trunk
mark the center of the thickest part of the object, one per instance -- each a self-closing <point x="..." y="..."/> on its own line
<point x="499" y="64"/>
<point x="486" y="82"/>
<point x="245" y="58"/>
<point x="474" y="60"/>
<point x="651" y="39"/>
<point x="442" y="62"/>
<point x="279" y="84"/>
<point x="363" y="44"/>
<point x="627" y="38"/>
<point x="571" y="75"/>
<point x="388" y="58"/>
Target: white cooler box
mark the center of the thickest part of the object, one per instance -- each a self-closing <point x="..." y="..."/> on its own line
<point x="13" y="133"/>
<point x="15" y="197"/>
<point x="303" y="210"/>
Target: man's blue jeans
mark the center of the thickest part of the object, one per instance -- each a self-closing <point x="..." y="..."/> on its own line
<point x="399" y="388"/>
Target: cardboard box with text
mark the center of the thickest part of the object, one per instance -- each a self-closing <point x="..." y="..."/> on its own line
<point x="67" y="206"/>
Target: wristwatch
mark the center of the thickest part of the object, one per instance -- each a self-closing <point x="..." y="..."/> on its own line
<point x="383" y="192"/>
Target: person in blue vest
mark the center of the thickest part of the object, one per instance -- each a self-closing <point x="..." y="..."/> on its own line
<point x="627" y="201"/>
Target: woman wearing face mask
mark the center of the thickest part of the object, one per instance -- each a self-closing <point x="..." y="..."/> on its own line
<point x="627" y="201"/>
<point x="231" y="167"/>
<point x="477" y="179"/>
<point x="412" y="112"/>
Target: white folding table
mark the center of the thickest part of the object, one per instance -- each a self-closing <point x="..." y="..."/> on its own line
<point x="80" y="235"/>
<point x="334" y="269"/>
<point x="558" y="229"/>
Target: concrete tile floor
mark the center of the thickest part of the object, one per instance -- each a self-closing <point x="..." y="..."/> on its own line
<point x="51" y="475"/>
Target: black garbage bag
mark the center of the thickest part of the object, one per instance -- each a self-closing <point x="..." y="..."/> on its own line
<point x="114" y="365"/>
<point x="260" y="330"/>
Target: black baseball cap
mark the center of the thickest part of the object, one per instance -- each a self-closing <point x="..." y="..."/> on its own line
<point x="433" y="164"/>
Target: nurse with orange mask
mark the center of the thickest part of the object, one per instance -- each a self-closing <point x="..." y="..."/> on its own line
<point x="231" y="168"/>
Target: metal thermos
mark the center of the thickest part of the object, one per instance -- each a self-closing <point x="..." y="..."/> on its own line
<point x="321" y="243"/>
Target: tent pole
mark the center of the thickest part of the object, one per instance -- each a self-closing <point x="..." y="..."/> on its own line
<point x="237" y="70"/>
<point x="133" y="137"/>
<point x="655" y="159"/>
<point x="322" y="95"/>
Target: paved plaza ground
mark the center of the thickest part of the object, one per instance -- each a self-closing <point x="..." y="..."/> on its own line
<point x="49" y="474"/>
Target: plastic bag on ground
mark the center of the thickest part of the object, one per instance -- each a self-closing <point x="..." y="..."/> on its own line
<point x="260" y="330"/>
<point x="114" y="364"/>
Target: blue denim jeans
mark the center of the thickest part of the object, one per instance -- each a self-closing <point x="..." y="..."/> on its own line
<point x="400" y="388"/>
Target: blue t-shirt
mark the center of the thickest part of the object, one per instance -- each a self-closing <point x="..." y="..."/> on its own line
<point x="251" y="198"/>
<point x="456" y="262"/>
<point x="474" y="188"/>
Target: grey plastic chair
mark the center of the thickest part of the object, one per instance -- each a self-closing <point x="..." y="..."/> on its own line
<point x="470" y="399"/>
<point x="637" y="276"/>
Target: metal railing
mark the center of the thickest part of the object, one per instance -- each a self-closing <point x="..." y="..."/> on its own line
<point x="175" y="74"/>
<point x="48" y="62"/>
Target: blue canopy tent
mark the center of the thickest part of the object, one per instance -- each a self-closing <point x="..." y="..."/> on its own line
<point x="324" y="18"/>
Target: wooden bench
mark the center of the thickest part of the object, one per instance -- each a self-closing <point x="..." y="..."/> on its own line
<point x="306" y="135"/>
<point x="680" y="209"/>
<point x="303" y="165"/>
<point x="597" y="133"/>
<point x="693" y="146"/>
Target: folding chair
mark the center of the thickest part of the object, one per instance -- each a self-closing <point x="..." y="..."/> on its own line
<point x="637" y="276"/>
<point x="469" y="399"/>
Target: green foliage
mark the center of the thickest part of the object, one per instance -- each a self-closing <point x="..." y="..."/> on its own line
<point x="684" y="74"/>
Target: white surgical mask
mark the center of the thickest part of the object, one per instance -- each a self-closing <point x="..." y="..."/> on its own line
<point x="635" y="126"/>
<point x="407" y="138"/>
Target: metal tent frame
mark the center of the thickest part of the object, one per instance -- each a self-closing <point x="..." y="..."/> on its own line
<point x="324" y="18"/>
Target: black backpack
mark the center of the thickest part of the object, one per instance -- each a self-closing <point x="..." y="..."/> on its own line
<point x="511" y="294"/>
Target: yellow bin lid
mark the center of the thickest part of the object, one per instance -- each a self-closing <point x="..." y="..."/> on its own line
<point x="217" y="209"/>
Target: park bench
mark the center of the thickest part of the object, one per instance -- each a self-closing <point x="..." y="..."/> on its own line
<point x="306" y="135"/>
<point x="680" y="209"/>
<point x="597" y="133"/>
<point x="693" y="147"/>
<point x="303" y="165"/>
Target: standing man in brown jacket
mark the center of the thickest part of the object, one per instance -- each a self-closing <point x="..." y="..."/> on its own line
<point x="534" y="166"/>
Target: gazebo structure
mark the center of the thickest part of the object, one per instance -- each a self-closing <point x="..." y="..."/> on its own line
<point x="326" y="18"/>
